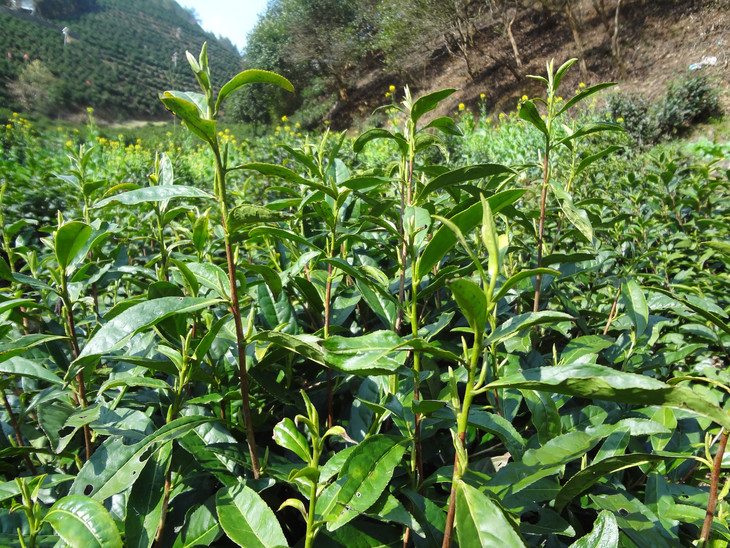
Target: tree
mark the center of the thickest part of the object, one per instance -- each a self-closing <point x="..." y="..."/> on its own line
<point x="37" y="89"/>
<point x="571" y="10"/>
<point x="506" y="11"/>
<point x="63" y="9"/>
<point x="411" y="25"/>
<point x="612" y="30"/>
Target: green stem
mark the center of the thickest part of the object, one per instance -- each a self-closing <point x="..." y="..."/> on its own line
<point x="462" y="420"/>
<point x="541" y="229"/>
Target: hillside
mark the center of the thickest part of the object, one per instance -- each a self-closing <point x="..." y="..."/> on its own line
<point x="658" y="41"/>
<point x="117" y="56"/>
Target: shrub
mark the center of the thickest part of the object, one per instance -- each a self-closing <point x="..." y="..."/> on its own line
<point x="687" y="101"/>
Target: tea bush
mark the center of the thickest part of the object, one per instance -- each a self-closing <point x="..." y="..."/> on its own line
<point x="319" y="340"/>
<point x="687" y="101"/>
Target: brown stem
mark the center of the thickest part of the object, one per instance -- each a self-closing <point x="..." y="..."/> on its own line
<point x="449" y="527"/>
<point x="163" y="510"/>
<point x="714" y="482"/>
<point x="16" y="429"/>
<point x="80" y="376"/>
<point x="242" y="372"/>
<point x="613" y="312"/>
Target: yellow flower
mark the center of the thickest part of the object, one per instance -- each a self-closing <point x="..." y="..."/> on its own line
<point x="462" y="106"/>
<point x="284" y="118"/>
<point x="542" y="116"/>
<point x="69" y="144"/>
<point x="482" y="95"/>
<point x="501" y="115"/>
<point x="90" y="110"/>
<point x="297" y="125"/>
<point x="581" y="85"/>
<point x="619" y="120"/>
<point x="524" y="98"/>
<point x="9" y="126"/>
<point x="559" y="99"/>
<point x="387" y="94"/>
<point x="391" y="88"/>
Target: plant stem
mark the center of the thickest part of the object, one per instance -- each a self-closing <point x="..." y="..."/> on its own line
<point x="311" y="531"/>
<point x="327" y="314"/>
<point x="714" y="481"/>
<point x="71" y="327"/>
<point x="541" y="229"/>
<point x="220" y="175"/>
<point x="16" y="429"/>
<point x="462" y="420"/>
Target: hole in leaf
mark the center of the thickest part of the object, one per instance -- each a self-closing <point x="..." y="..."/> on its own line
<point x="623" y="512"/>
<point x="147" y="453"/>
<point x="358" y="494"/>
<point x="88" y="490"/>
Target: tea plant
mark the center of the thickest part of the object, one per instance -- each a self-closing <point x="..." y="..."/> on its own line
<point x="509" y="352"/>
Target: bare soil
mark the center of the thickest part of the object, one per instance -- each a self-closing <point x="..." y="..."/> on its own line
<point x="659" y="39"/>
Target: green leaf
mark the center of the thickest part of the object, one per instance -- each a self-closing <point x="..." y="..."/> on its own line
<point x="81" y="521"/>
<point x="304" y="345"/>
<point x="364" y="355"/>
<point x="588" y="129"/>
<point x="427" y="103"/>
<point x="69" y="239"/>
<point x="246" y="214"/>
<point x="529" y="113"/>
<point x="577" y="216"/>
<point x="363" y="478"/>
<point x="589" y="475"/>
<point x="517" y="278"/>
<point x="115" y="333"/>
<point x="200" y="529"/>
<point x="558" y="77"/>
<point x="707" y="314"/>
<point x="144" y="505"/>
<point x="20" y="345"/>
<point x="157" y="193"/>
<point x="287" y="174"/>
<point x="379" y="133"/>
<point x="604" y="534"/>
<point x="472" y="302"/>
<point x="588" y="160"/>
<point x="289" y="437"/>
<point x="115" y="466"/>
<point x="189" y="112"/>
<point x="246" y="518"/>
<point x="280" y="234"/>
<point x="23" y="367"/>
<point x="514" y="325"/>
<point x="480" y="523"/>
<point x="444" y="239"/>
<point x="603" y="383"/>
<point x="462" y="174"/>
<point x="446" y="125"/>
<point x="635" y="304"/>
<point x="587" y="92"/>
<point x="252" y="76"/>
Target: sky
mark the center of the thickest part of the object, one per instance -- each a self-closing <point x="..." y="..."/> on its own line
<point x="233" y="19"/>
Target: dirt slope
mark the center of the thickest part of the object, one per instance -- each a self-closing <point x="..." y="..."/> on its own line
<point x="659" y="39"/>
